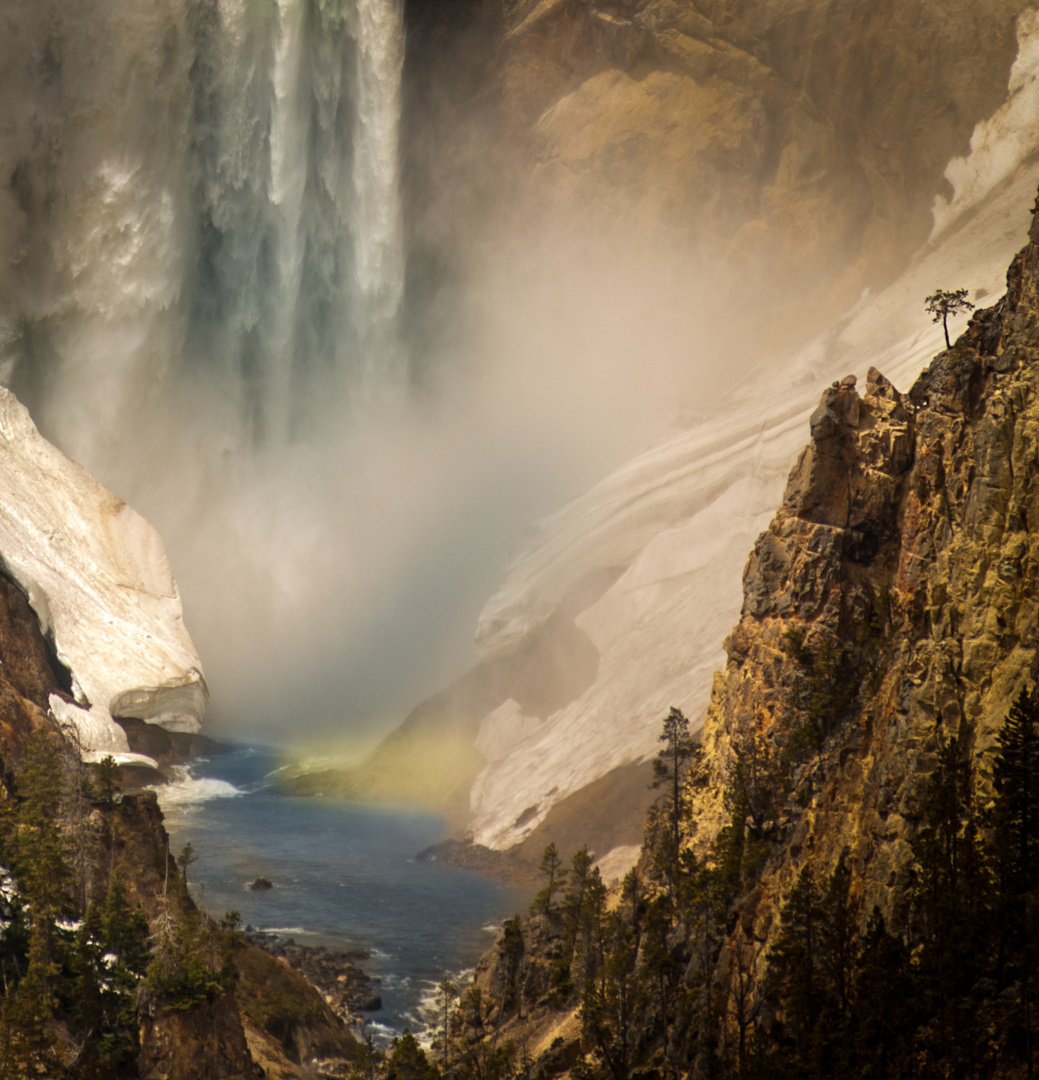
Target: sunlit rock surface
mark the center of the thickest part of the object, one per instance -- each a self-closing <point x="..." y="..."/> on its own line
<point x="97" y="576"/>
<point x="758" y="122"/>
<point x="680" y="519"/>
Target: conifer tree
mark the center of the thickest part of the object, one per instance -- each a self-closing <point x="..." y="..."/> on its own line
<point x="952" y="906"/>
<point x="945" y="302"/>
<point x="447" y="995"/>
<point x="574" y="898"/>
<point x="43" y="872"/>
<point x="669" y="768"/>
<point x="794" y="981"/>
<point x="610" y="1007"/>
<point x="369" y="1058"/>
<point x="884" y="1003"/>
<point x="408" y="1061"/>
<point x="839" y="940"/>
<point x="552" y="866"/>
<point x="1016" y="779"/>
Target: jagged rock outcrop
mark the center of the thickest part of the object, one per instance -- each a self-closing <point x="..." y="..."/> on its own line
<point x="196" y="1045"/>
<point x="906" y="546"/>
<point x="669" y="528"/>
<point x="889" y="608"/>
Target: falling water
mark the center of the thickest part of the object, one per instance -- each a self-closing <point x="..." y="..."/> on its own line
<point x="201" y="271"/>
<point x="203" y="208"/>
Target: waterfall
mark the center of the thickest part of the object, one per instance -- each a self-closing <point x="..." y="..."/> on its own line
<point x="201" y="271"/>
<point x="204" y="211"/>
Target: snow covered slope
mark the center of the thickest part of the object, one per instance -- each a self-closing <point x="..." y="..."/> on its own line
<point x="97" y="576"/>
<point x="682" y="517"/>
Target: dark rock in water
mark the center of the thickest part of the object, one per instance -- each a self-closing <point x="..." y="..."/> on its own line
<point x="168" y="747"/>
<point x="261" y="884"/>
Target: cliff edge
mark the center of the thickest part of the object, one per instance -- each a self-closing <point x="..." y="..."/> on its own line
<point x="841" y="884"/>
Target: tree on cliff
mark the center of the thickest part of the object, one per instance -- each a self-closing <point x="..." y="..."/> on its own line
<point x="942" y="303"/>
<point x="552" y="867"/>
<point x="669" y="768"/>
<point x="1016" y="777"/>
<point x="408" y="1061"/>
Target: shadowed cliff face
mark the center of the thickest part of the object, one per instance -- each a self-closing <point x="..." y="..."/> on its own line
<point x="898" y="580"/>
<point x="277" y="1017"/>
<point x="812" y="134"/>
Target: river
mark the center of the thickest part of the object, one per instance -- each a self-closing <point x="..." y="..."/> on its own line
<point x="344" y="875"/>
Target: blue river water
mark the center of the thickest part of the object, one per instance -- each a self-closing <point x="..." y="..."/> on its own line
<point x="344" y="876"/>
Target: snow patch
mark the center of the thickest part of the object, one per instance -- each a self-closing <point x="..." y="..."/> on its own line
<point x="1001" y="145"/>
<point x="97" y="576"/>
<point x="95" y="733"/>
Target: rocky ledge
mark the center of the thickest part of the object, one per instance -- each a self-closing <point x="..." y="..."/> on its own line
<point x="348" y="989"/>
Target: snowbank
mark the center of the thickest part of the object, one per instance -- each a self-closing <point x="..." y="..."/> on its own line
<point x="97" y="576"/>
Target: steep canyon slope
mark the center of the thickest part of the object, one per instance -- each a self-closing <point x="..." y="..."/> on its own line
<point x="110" y="969"/>
<point x="905" y="548"/>
<point x="890" y="620"/>
<point x="614" y="608"/>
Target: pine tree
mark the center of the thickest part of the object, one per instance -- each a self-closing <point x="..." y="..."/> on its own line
<point x="125" y="929"/>
<point x="446" y="997"/>
<point x="953" y="897"/>
<point x="669" y="768"/>
<point x="552" y="866"/>
<point x="839" y="940"/>
<point x="408" y="1061"/>
<point x="953" y="913"/>
<point x="945" y="302"/>
<point x="610" y="1004"/>
<point x="1016" y="778"/>
<point x="794" y="982"/>
<point x="26" y="1041"/>
<point x="884" y="1003"/>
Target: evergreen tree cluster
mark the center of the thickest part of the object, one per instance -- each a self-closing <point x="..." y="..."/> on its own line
<point x="75" y="967"/>
<point x="670" y="983"/>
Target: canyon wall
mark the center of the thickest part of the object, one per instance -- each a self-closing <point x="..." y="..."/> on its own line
<point x="617" y="604"/>
<point x="855" y="750"/>
<point x="807" y="134"/>
<point x="91" y="632"/>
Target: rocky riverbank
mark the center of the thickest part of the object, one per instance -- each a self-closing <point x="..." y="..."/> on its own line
<point x="335" y="973"/>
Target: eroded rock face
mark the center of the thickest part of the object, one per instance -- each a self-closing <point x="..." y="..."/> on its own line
<point x="813" y="135"/>
<point x="97" y="577"/>
<point x="822" y="122"/>
<point x="203" y="1043"/>
<point x="906" y="547"/>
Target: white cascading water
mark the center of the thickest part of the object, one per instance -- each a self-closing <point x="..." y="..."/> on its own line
<point x="212" y="189"/>
<point x="201" y="273"/>
<point x="298" y="233"/>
